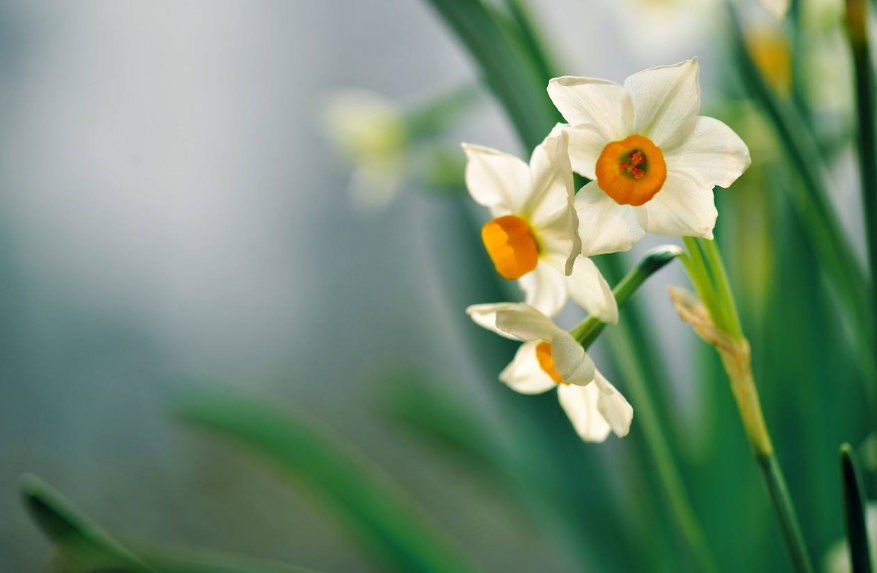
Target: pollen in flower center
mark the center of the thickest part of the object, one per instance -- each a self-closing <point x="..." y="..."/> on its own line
<point x="631" y="170"/>
<point x="546" y="362"/>
<point x="511" y="246"/>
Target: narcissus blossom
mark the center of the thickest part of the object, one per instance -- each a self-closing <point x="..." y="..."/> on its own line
<point x="551" y="358"/>
<point x="533" y="236"/>
<point x="652" y="159"/>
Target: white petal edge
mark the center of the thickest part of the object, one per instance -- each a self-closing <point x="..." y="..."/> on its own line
<point x="571" y="361"/>
<point x="589" y="289"/>
<point x="545" y="288"/>
<point x="711" y="153"/>
<point x="552" y="194"/>
<point x="604" y="225"/>
<point x="586" y="143"/>
<point x="496" y="180"/>
<point x="514" y="320"/>
<point x="664" y="98"/>
<point x="524" y="374"/>
<point x="580" y="405"/>
<point x="682" y="208"/>
<point x="590" y="101"/>
<point x="613" y="407"/>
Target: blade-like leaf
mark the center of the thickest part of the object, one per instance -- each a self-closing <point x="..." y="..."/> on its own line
<point x="382" y="520"/>
<point x="854" y="511"/>
<point x="82" y="546"/>
<point x="505" y="67"/>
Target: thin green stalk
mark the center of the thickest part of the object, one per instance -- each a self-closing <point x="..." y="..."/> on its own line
<point x="621" y="344"/>
<point x="857" y="35"/>
<point x="854" y="511"/>
<point x="532" y="38"/>
<point x="587" y="331"/>
<point x="726" y="334"/>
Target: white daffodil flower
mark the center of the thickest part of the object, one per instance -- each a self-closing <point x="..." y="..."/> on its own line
<point x="534" y="234"/>
<point x="550" y="357"/>
<point x="370" y="130"/>
<point x="652" y="159"/>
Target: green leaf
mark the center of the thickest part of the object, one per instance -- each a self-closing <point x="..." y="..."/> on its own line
<point x="423" y="407"/>
<point x="854" y="511"/>
<point x="82" y="546"/>
<point x="384" y="522"/>
<point x="505" y="66"/>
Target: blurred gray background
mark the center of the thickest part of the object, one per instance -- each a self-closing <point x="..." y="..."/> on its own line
<point x="171" y="214"/>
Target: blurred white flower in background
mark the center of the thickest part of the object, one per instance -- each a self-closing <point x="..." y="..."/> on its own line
<point x="370" y="130"/>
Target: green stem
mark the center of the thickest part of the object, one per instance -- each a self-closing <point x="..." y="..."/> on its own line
<point x="589" y="329"/>
<point x="621" y="344"/>
<point x="854" y="511"/>
<point x="735" y="355"/>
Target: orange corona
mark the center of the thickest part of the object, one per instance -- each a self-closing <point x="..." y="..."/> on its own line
<point x="632" y="170"/>
<point x="546" y="362"/>
<point x="511" y="246"/>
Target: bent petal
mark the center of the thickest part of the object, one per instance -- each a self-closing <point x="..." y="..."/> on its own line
<point x="552" y="193"/>
<point x="524" y="374"/>
<point x="664" y="98"/>
<point x="711" y="154"/>
<point x="682" y="208"/>
<point x="604" y="225"/>
<point x="586" y="143"/>
<point x="514" y="320"/>
<point x="613" y="407"/>
<point x="570" y="360"/>
<point x="545" y="288"/>
<point x="589" y="289"/>
<point x="600" y="103"/>
<point x="580" y="405"/>
<point x="496" y="180"/>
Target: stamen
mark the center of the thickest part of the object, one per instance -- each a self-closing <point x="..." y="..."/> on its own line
<point x="632" y="170"/>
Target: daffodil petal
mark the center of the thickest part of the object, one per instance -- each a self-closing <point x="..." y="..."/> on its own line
<point x="681" y="208"/>
<point x="613" y="407"/>
<point x="586" y="142"/>
<point x="589" y="289"/>
<point x="711" y="153"/>
<point x="524" y="374"/>
<point x="664" y="98"/>
<point x="496" y="180"/>
<point x="600" y="103"/>
<point x="526" y="323"/>
<point x="570" y="360"/>
<point x="545" y="288"/>
<point x="580" y="405"/>
<point x="604" y="225"/>
<point x="484" y="315"/>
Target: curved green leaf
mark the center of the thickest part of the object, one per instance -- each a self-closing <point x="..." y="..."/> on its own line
<point x="382" y="520"/>
<point x="854" y="511"/>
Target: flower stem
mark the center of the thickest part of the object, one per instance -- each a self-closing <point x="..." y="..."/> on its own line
<point x="622" y="345"/>
<point x="726" y="335"/>
<point x="589" y="329"/>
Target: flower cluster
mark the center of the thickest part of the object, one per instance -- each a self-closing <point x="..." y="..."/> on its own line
<point x="652" y="162"/>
